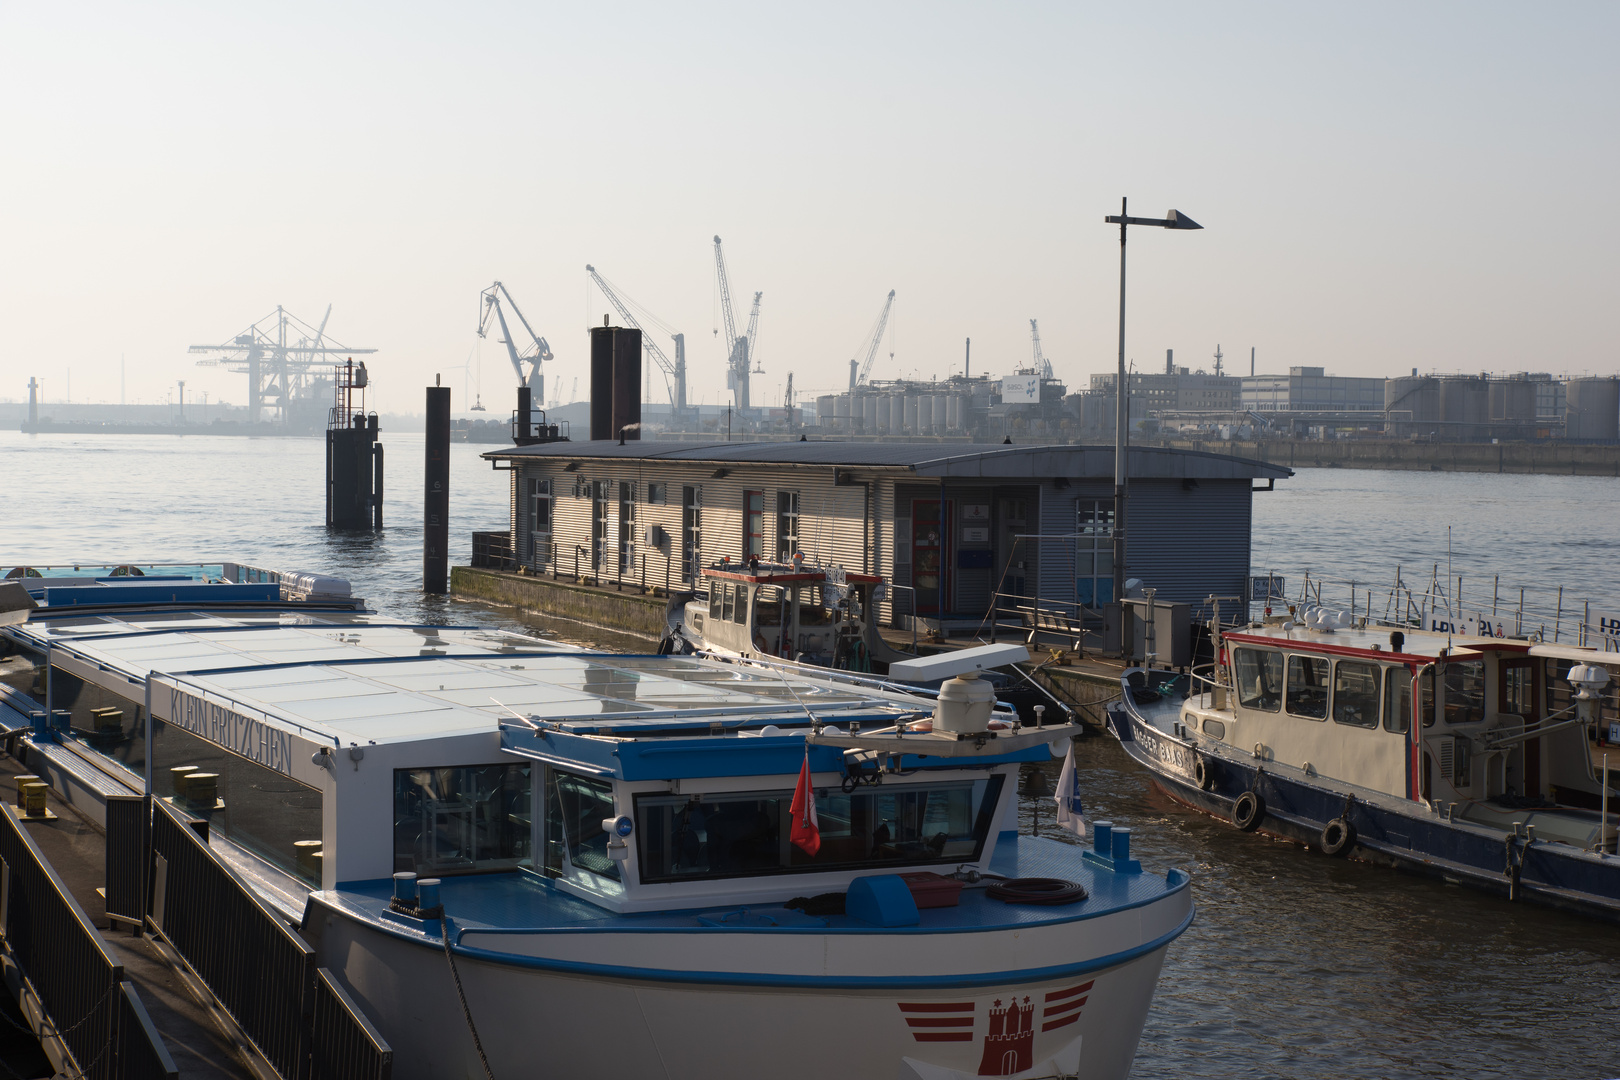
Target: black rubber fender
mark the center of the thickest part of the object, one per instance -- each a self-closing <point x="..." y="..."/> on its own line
<point x="1203" y="772"/>
<point x="1248" y="811"/>
<point x="1338" y="836"/>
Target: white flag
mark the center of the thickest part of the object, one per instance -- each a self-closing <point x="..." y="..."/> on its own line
<point x="1070" y="814"/>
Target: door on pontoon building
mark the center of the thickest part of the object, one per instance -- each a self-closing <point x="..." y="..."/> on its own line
<point x="930" y="552"/>
<point x="1521" y="696"/>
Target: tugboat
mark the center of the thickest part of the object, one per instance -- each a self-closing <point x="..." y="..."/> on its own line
<point x="516" y="855"/>
<point x="1476" y="759"/>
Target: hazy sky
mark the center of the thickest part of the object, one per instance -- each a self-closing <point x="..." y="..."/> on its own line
<point x="1383" y="186"/>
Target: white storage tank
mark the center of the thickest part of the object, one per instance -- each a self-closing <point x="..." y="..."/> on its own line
<point x="824" y="410"/>
<point x="883" y="413"/>
<point x="941" y="414"/>
<point x="911" y="414"/>
<point x="869" y="412"/>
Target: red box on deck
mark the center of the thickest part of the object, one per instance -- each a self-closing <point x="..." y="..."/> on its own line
<point x="933" y="890"/>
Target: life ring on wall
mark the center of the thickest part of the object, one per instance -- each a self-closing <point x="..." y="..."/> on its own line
<point x="1203" y="772"/>
<point x="1338" y="836"/>
<point x="1248" y="810"/>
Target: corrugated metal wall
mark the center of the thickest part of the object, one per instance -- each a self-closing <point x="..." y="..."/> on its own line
<point x="1190" y="541"/>
<point x="830" y="529"/>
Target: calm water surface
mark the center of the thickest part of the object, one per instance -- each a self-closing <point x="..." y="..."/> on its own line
<point x="1298" y="966"/>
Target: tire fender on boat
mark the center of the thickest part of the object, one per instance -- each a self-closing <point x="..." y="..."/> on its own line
<point x="1203" y="772"/>
<point x="1248" y="811"/>
<point x="1338" y="836"/>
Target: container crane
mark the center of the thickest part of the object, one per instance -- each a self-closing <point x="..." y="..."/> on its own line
<point x="739" y="350"/>
<point x="858" y="378"/>
<point x="534" y="355"/>
<point x="674" y="373"/>
<point x="287" y="361"/>
<point x="1043" y="366"/>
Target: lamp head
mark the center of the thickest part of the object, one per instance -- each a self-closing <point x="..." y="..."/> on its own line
<point x="1175" y="219"/>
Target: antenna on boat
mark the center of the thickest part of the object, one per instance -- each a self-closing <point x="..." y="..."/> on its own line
<point x="524" y="720"/>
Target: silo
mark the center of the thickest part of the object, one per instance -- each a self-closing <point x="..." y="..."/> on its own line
<point x="841" y="411"/>
<point x="911" y="414"/>
<point x="963" y="415"/>
<point x="941" y="413"/>
<point x="883" y="413"/>
<point x="869" y="408"/>
<point x="953" y="412"/>
<point x="897" y="414"/>
<point x="1592" y="409"/>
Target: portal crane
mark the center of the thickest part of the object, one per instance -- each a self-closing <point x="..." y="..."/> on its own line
<point x="739" y="350"/>
<point x="876" y="338"/>
<point x="1043" y="366"/>
<point x="287" y="361"/>
<point x="674" y="373"/>
<point x="534" y="355"/>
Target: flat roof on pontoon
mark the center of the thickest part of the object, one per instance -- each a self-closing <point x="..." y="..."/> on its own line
<point x="391" y="682"/>
<point x="922" y="459"/>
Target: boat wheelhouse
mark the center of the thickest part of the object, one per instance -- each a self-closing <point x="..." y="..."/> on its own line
<point x="1476" y="759"/>
<point x="612" y="852"/>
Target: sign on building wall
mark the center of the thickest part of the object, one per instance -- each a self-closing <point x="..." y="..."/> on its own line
<point x="976" y="513"/>
<point x="1021" y="389"/>
<point x="975" y="536"/>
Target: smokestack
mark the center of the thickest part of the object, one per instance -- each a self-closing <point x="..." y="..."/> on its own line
<point x="852" y="368"/>
<point x="601" y="381"/>
<point x="523" y="422"/>
<point x="1169" y="361"/>
<point x="1251" y="359"/>
<point x="967" y="361"/>
<point x="626" y="384"/>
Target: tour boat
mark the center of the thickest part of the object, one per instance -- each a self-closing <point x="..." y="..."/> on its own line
<point x="522" y="857"/>
<point x="1475" y="759"/>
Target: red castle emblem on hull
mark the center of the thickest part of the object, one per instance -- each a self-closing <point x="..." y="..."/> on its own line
<point x="1009" y="1041"/>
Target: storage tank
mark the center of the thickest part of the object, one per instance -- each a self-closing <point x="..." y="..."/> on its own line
<point x="941" y="414"/>
<point x="824" y="410"/>
<point x="883" y="413"/>
<point x="869" y="406"/>
<point x="964" y="413"/>
<point x="1464" y="406"/>
<point x="1513" y="401"/>
<point x="841" y="411"/>
<point x="1411" y="406"/>
<point x="897" y="414"/>
<point x="1592" y="409"/>
<point x="911" y="414"/>
<point x="953" y="413"/>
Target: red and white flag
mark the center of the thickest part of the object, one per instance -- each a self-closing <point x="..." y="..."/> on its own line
<point x="806" y="832"/>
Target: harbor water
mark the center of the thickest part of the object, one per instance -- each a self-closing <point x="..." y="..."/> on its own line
<point x="1298" y="966"/>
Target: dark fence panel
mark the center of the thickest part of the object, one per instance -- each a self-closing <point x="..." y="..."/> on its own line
<point x="60" y="951"/>
<point x="493" y="551"/>
<point x="140" y="1049"/>
<point x="256" y="966"/>
<point x="126" y="857"/>
<point x="344" y="1045"/>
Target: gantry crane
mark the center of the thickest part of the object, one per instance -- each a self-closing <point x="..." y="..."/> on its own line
<point x="739" y="350"/>
<point x="674" y="373"/>
<point x="287" y="362"/>
<point x="536" y="354"/>
<point x="1043" y="366"/>
<point x="858" y="377"/>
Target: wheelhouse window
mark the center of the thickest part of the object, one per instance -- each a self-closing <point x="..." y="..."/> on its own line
<point x="1308" y="686"/>
<point x="770" y="608"/>
<point x="1355" y="694"/>
<point x="1259" y="674"/>
<point x="462" y="820"/>
<point x="575" y="809"/>
<point x="1465" y="691"/>
<point x="742" y="834"/>
<point x="811" y="610"/>
<point x="1398" y="699"/>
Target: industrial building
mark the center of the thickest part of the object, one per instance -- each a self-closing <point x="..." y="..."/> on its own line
<point x="1311" y="390"/>
<point x="951" y="528"/>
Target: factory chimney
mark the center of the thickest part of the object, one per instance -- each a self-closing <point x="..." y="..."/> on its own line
<point x="1169" y="361"/>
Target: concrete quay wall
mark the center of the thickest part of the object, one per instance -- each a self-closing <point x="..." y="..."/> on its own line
<point x="1546" y="458"/>
<point x="627" y="612"/>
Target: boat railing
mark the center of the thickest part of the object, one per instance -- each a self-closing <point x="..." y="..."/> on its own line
<point x="1458" y="602"/>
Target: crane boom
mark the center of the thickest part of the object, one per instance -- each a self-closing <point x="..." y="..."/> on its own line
<point x="877" y="339"/>
<point x="535" y="355"/>
<point x="1043" y="366"/>
<point x="674" y="373"/>
<point x="739" y="350"/>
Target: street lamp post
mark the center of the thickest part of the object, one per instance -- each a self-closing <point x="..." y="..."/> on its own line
<point x="1174" y="220"/>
